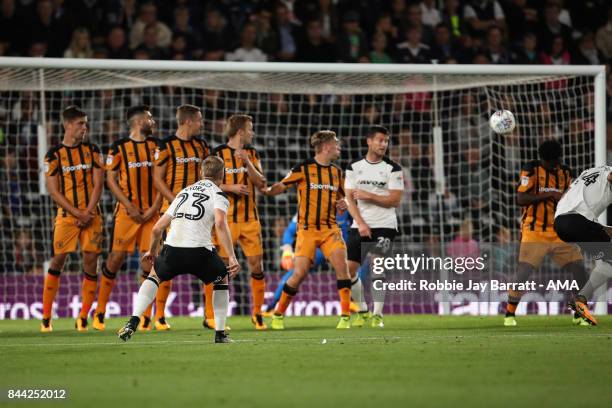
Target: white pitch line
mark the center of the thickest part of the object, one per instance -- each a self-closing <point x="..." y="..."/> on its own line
<point x="313" y="339"/>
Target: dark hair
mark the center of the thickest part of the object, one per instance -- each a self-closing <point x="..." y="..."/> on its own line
<point x="71" y="113"/>
<point x="136" y="110"/>
<point x="550" y="150"/>
<point x="377" y="129"/>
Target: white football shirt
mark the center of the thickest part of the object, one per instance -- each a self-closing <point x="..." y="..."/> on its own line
<point x="193" y="215"/>
<point x="589" y="194"/>
<point x="377" y="178"/>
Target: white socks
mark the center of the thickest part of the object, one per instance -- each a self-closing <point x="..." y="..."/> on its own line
<point x="600" y="275"/>
<point x="357" y="294"/>
<point x="220" y="300"/>
<point x="146" y="294"/>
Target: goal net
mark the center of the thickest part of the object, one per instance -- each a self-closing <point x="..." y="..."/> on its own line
<point x="460" y="178"/>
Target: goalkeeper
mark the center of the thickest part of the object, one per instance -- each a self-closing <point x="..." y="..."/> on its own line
<point x="344" y="221"/>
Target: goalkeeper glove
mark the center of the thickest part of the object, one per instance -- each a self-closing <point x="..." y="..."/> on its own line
<point x="287" y="258"/>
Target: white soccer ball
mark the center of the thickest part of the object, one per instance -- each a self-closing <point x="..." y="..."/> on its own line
<point x="502" y="122"/>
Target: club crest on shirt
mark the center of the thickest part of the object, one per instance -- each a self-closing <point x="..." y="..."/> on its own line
<point x="524" y="181"/>
<point x="156" y="154"/>
<point x="109" y="159"/>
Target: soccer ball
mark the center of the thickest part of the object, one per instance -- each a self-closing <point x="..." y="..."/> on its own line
<point x="502" y="122"/>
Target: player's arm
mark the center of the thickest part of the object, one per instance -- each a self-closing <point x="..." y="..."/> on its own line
<point x="610" y="177"/>
<point x="295" y="176"/>
<point x="238" y="189"/>
<point x="225" y="239"/>
<point x="117" y="191"/>
<point x="159" y="175"/>
<point x="98" y="186"/>
<point x="254" y="171"/>
<point x="61" y="200"/>
<point x="392" y="200"/>
<point x="156" y="234"/>
<point x="154" y="209"/>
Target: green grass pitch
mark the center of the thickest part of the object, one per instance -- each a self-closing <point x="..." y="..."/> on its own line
<point x="419" y="360"/>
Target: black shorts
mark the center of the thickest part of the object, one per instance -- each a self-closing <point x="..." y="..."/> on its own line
<point x="589" y="235"/>
<point x="203" y="263"/>
<point x="379" y="244"/>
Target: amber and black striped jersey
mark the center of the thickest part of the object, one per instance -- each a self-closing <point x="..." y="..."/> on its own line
<point x="318" y="188"/>
<point x="134" y="162"/>
<point x="74" y="166"/>
<point x="183" y="159"/>
<point x="535" y="179"/>
<point x="243" y="208"/>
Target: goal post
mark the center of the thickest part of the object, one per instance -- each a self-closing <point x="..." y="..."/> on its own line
<point x="455" y="168"/>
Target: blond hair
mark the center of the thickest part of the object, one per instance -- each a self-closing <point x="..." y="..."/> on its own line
<point x="318" y="139"/>
<point x="236" y="123"/>
<point x="213" y="167"/>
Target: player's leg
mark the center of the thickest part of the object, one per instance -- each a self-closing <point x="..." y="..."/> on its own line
<point x="570" y="261"/>
<point x="165" y="287"/>
<point x="334" y="249"/>
<point x="146" y="294"/>
<point x="90" y="240"/>
<point x="301" y="266"/>
<point x="354" y="262"/>
<point x="379" y="245"/>
<point x="249" y="238"/>
<point x="279" y="290"/>
<point x="107" y="282"/>
<point x="524" y="271"/>
<point x="51" y="285"/>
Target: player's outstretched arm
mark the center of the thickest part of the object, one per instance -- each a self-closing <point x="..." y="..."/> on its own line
<point x="225" y="239"/>
<point x="156" y="234"/>
<point x="159" y="173"/>
<point x="62" y="201"/>
<point x="275" y="189"/>
<point x="113" y="186"/>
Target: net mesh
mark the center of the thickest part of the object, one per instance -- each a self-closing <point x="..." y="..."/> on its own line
<point x="481" y="168"/>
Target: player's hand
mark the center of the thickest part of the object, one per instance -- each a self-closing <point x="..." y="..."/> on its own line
<point x="148" y="214"/>
<point x="341" y="205"/>
<point x="85" y="218"/>
<point x="233" y="267"/>
<point x="364" y="230"/>
<point x="361" y="195"/>
<point x="287" y="258"/>
<point x="242" y="155"/>
<point x="135" y="213"/>
<point x="147" y="260"/>
<point x="239" y="189"/>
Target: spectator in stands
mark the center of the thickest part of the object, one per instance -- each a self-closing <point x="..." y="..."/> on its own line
<point x="444" y="47"/>
<point x="43" y="28"/>
<point x="553" y="28"/>
<point x="430" y="15"/>
<point x="247" y="51"/>
<point x="287" y="32"/>
<point x="150" y="43"/>
<point x="38" y="49"/>
<point x="384" y="25"/>
<point x="604" y="37"/>
<point x="11" y="23"/>
<point x="527" y="53"/>
<point x="352" y="42"/>
<point x="27" y="258"/>
<point x="556" y="54"/>
<point x="587" y="53"/>
<point x="80" y="46"/>
<point x="521" y="19"/>
<point x="116" y="44"/>
<point x="398" y="13"/>
<point x="216" y="36"/>
<point x="323" y="10"/>
<point x="315" y="48"/>
<point x="482" y="14"/>
<point x="379" y="55"/>
<point x="178" y="48"/>
<point x="148" y="18"/>
<point x="464" y="244"/>
<point x="183" y="29"/>
<point x="413" y="51"/>
<point x="494" y="49"/>
<point x="451" y="16"/>
<point x="414" y="20"/>
<point x="267" y="36"/>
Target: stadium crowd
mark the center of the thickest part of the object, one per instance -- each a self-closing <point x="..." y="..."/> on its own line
<point x="450" y="31"/>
